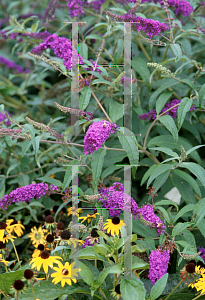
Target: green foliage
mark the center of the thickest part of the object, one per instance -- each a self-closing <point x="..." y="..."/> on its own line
<point x="162" y="151"/>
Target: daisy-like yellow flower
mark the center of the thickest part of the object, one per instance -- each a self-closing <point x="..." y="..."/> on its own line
<point x="114" y="225"/>
<point x="88" y="217"/>
<point x="65" y="273"/>
<point x="44" y="260"/>
<point x="37" y="236"/>
<point x="15" y="227"/>
<point x="3" y="261"/>
<point x="74" y="241"/>
<point x="199" y="285"/>
<point x="6" y="238"/>
<point x="199" y="270"/>
<point x="3" y="226"/>
<point x="115" y="292"/>
<point x="70" y="211"/>
<point x="37" y="252"/>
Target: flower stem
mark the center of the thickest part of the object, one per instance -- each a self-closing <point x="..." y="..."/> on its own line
<point x="13" y="246"/>
<point x="174" y="290"/>
<point x="34" y="297"/>
<point x="4" y="295"/>
<point x="60" y="293"/>
<point x="198" y="296"/>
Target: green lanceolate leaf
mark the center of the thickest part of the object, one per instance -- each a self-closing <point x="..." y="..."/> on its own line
<point x="148" y="173"/>
<point x="97" y="164"/>
<point x="132" y="289"/>
<point x="189" y="179"/>
<point x="163" y="98"/>
<point x="183" y="108"/>
<point x="167" y="84"/>
<point x="168" y="122"/>
<point x="129" y="144"/>
<point x="176" y="49"/>
<point x="110" y="270"/>
<point x="201" y="95"/>
<point x="84" y="98"/>
<point x="159" y="170"/>
<point x="183" y="211"/>
<point x="115" y="110"/>
<point x="179" y="228"/>
<point x="140" y="66"/>
<point x="118" y="53"/>
<point x="88" y="253"/>
<point x="165" y="150"/>
<point x="86" y="274"/>
<point x="197" y="170"/>
<point x="159" y="286"/>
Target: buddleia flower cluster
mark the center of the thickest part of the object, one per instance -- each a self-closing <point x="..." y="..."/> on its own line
<point x="62" y="48"/>
<point x="146" y="214"/>
<point x="173" y="112"/>
<point x="97" y="134"/>
<point x="158" y="264"/>
<point x="116" y="200"/>
<point x="27" y="193"/>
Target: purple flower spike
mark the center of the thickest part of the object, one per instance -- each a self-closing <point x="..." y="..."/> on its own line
<point x="116" y="200"/>
<point x="12" y="65"/>
<point x="27" y="193"/>
<point x="97" y="134"/>
<point x="173" y="112"/>
<point x="3" y="117"/>
<point x="88" y="243"/>
<point x="62" y="48"/>
<point x="75" y="7"/>
<point x="158" y="264"/>
<point x="147" y="216"/>
<point x="202" y="250"/>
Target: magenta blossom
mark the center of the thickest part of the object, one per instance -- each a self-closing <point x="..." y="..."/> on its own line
<point x="62" y="48"/>
<point x="97" y="134"/>
<point x="158" y="264"/>
<point x="27" y="193"/>
<point x="173" y="112"/>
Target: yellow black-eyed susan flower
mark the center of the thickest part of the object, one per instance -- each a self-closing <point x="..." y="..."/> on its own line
<point x="114" y="225"/>
<point x="44" y="260"/>
<point x="37" y="236"/>
<point x="74" y="213"/>
<point x="65" y="273"/>
<point x="3" y="260"/>
<point x="15" y="227"/>
<point x="115" y="292"/>
<point x="88" y="217"/>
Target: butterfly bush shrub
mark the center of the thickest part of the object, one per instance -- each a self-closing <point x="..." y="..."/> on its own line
<point x="101" y="149"/>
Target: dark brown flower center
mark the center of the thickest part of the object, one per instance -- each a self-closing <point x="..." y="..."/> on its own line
<point x="2" y="245"/>
<point x="28" y="274"/>
<point x="3" y="225"/>
<point x="41" y="247"/>
<point x="94" y="233"/>
<point x="45" y="254"/>
<point x="117" y="289"/>
<point x="49" y="219"/>
<point x="14" y="222"/>
<point x="190" y="267"/>
<point x="55" y="208"/>
<point x="65" y="234"/>
<point x="50" y="238"/>
<point x="65" y="272"/>
<point x="60" y="226"/>
<point x="46" y="212"/>
<point x="18" y="284"/>
<point x="115" y="220"/>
